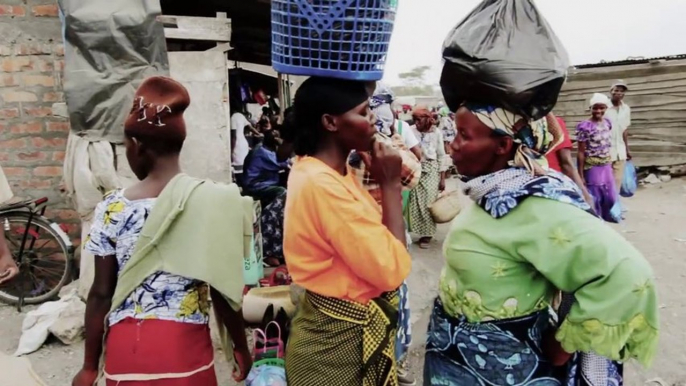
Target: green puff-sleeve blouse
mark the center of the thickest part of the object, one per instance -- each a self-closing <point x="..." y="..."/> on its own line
<point x="512" y="266"/>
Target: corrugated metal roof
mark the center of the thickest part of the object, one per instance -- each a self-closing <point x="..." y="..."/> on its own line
<point x="629" y="61"/>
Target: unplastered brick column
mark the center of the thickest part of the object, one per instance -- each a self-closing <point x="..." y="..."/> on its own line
<point x="33" y="126"/>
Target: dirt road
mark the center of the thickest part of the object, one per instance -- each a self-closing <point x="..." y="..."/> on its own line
<point x="656" y="224"/>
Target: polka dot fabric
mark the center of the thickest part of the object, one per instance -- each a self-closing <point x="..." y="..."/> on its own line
<point x="338" y="342"/>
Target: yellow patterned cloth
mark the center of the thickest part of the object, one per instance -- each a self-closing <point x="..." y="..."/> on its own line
<point x="596" y="161"/>
<point x="337" y="342"/>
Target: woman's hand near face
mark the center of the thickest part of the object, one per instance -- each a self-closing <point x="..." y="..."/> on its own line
<point x="386" y="164"/>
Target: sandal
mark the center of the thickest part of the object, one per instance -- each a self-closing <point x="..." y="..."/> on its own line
<point x="424" y="242"/>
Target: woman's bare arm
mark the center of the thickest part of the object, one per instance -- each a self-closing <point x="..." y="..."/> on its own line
<point x="98" y="306"/>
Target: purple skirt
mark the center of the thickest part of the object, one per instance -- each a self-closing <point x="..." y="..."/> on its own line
<point x="600" y="183"/>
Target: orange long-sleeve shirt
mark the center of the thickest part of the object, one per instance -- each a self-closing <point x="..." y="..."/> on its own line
<point x="334" y="240"/>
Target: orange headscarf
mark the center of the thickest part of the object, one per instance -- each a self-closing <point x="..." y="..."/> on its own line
<point x="421" y="112"/>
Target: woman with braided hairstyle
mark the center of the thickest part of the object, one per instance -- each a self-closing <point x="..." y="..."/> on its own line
<point x="161" y="247"/>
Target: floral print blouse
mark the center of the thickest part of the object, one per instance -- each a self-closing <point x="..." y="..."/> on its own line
<point x="598" y="139"/>
<point x="116" y="227"/>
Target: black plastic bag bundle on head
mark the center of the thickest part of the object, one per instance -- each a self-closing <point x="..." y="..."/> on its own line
<point x="504" y="53"/>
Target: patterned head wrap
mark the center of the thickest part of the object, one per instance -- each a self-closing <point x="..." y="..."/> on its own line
<point x="421" y="112"/>
<point x="380" y="103"/>
<point x="535" y="138"/>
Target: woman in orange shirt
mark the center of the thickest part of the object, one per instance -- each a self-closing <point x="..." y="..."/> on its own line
<point x="349" y="256"/>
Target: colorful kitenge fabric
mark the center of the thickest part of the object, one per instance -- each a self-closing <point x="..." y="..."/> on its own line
<point x="500" y="192"/>
<point x="598" y="139"/>
<point x="116" y="226"/>
<point x="404" y="335"/>
<point x="380" y="103"/>
<point x="271" y="224"/>
<point x="448" y="129"/>
<point x="354" y="344"/>
<point x="514" y="266"/>
<point x="497" y="285"/>
<point x="420" y="222"/>
<point x="503" y="352"/>
<point x="535" y="138"/>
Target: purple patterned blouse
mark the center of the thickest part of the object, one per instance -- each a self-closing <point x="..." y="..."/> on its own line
<point x="598" y="139"/>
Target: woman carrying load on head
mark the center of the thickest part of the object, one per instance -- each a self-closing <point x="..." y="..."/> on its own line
<point x="529" y="234"/>
<point x="421" y="223"/>
<point x="340" y="246"/>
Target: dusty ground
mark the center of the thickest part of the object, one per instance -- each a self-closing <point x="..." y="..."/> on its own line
<point x="656" y="224"/>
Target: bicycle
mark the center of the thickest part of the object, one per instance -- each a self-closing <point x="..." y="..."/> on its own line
<point x="42" y="250"/>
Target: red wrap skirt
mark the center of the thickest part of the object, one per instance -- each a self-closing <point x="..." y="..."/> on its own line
<point x="158" y="352"/>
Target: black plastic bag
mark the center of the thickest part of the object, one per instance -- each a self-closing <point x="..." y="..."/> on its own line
<point x="504" y="53"/>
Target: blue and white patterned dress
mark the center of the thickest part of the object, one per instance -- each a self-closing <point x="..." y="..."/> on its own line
<point x="117" y="225"/>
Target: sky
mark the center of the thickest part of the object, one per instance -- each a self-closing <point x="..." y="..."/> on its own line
<point x="591" y="30"/>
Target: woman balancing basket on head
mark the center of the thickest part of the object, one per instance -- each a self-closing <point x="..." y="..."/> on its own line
<point x="347" y="251"/>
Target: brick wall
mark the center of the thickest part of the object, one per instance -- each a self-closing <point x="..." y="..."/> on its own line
<point x="33" y="131"/>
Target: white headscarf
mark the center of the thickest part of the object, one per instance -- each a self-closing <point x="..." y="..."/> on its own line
<point x="381" y="106"/>
<point x="599" y="99"/>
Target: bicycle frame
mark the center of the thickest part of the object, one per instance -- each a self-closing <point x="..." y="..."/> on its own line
<point x="32" y="213"/>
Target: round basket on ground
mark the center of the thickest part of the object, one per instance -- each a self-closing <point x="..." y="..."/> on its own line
<point x="345" y="39"/>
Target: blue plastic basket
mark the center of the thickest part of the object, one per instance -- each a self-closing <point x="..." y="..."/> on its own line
<point x="345" y="39"/>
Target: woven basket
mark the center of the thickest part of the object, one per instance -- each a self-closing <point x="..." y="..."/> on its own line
<point x="446" y="207"/>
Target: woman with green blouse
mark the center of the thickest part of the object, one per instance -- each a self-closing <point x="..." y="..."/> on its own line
<point x="528" y="235"/>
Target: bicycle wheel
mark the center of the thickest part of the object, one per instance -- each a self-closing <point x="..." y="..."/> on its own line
<point x="45" y="264"/>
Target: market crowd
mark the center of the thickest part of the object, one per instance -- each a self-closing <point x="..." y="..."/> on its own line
<point x="536" y="288"/>
<point x="360" y="184"/>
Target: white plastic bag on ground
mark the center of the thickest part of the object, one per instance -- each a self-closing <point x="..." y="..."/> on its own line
<point x="70" y="326"/>
<point x="37" y="323"/>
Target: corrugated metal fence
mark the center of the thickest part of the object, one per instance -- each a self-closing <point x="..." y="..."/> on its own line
<point x="657" y="96"/>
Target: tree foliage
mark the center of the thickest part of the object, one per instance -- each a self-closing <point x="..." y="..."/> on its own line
<point x="414" y="83"/>
<point x="415" y="76"/>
